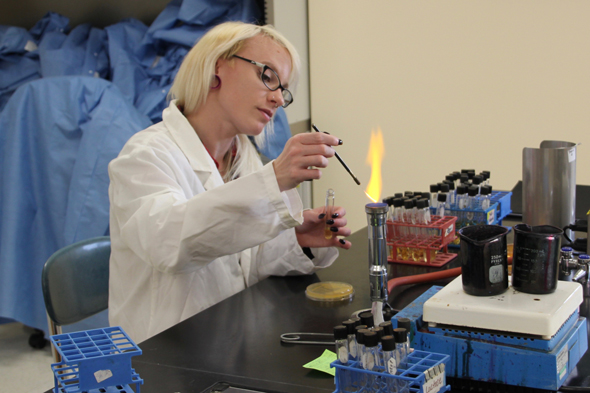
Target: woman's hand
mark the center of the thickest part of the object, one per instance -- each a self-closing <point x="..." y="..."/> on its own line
<point x="311" y="232"/>
<point x="301" y="152"/>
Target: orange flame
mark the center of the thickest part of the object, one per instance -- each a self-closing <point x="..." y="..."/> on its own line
<point x="374" y="158"/>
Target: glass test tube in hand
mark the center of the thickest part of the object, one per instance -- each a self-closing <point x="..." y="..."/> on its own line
<point x="329" y="211"/>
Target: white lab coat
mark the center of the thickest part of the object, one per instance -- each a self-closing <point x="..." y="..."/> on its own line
<point x="182" y="240"/>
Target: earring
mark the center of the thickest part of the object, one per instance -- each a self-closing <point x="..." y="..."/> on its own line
<point x="218" y="85"/>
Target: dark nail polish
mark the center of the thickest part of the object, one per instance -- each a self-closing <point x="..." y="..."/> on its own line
<point x="326" y="133"/>
<point x="334" y="229"/>
<point x="340" y="141"/>
<point x="321" y="216"/>
<point x="342" y="241"/>
<point x="335" y="215"/>
<point x="329" y="222"/>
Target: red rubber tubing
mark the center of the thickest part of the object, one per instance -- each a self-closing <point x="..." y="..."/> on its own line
<point x="421" y="278"/>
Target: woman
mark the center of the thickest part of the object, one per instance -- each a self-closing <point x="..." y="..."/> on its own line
<point x="195" y="217"/>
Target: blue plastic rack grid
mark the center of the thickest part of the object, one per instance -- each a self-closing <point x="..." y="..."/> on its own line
<point x="411" y="377"/>
<point x="95" y="361"/>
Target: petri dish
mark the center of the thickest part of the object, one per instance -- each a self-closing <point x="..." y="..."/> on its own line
<point x="329" y="291"/>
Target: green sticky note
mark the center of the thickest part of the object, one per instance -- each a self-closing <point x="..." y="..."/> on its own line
<point x="323" y="363"/>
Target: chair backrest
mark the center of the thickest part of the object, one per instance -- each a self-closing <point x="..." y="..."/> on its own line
<point x="75" y="280"/>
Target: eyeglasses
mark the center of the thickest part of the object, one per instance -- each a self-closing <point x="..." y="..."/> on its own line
<point x="271" y="80"/>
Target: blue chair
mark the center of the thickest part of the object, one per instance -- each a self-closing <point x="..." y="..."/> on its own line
<point x="75" y="282"/>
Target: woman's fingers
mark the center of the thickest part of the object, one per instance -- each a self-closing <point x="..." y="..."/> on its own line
<point x="303" y="153"/>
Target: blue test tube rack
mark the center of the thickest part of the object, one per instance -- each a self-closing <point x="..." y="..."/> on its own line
<point x="95" y="361"/>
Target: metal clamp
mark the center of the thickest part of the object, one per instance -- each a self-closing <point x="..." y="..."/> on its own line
<point x="300" y="338"/>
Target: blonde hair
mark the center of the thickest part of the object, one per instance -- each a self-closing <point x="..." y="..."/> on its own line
<point x="195" y="75"/>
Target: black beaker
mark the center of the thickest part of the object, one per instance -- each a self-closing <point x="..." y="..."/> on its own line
<point x="535" y="266"/>
<point x="484" y="261"/>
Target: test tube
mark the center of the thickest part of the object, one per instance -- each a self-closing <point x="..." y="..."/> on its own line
<point x="485" y="197"/>
<point x="350" y="325"/>
<point x="372" y="360"/>
<point x="341" y="338"/>
<point x="389" y="362"/>
<point x="329" y="211"/>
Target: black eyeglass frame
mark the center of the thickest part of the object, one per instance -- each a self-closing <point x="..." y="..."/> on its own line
<point x="287" y="96"/>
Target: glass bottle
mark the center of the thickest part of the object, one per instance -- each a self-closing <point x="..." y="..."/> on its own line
<point x="372" y="360"/>
<point x="389" y="362"/>
<point x="434" y="195"/>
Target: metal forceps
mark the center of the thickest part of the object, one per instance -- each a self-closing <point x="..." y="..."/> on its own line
<point x="308" y="338"/>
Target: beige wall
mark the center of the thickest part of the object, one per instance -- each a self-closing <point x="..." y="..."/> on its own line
<point x="454" y="84"/>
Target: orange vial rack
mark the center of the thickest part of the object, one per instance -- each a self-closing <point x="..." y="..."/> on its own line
<point x="418" y="244"/>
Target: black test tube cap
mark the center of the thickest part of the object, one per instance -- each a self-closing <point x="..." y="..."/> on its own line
<point x="379" y="331"/>
<point x="404" y="323"/>
<point x="473" y="190"/>
<point x="349" y="326"/>
<point x="360" y="335"/>
<point x="387" y="328"/>
<point x="367" y="318"/>
<point x="400" y="334"/>
<point x="444" y="187"/>
<point x="422" y="203"/>
<point x="434" y="188"/>
<point x="356" y="320"/>
<point x="442" y="197"/>
<point x="371" y="339"/>
<point x="388" y="343"/>
<point x="340" y="332"/>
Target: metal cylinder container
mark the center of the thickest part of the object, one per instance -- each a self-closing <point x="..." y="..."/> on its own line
<point x="376" y="218"/>
<point x="549" y="184"/>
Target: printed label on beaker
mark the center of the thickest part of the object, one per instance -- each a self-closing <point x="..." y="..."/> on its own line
<point x="571" y="154"/>
<point x="496" y="274"/>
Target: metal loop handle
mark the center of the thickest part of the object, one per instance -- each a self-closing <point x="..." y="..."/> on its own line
<point x="298" y="338"/>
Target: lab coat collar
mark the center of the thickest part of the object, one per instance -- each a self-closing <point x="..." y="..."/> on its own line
<point x="192" y="147"/>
